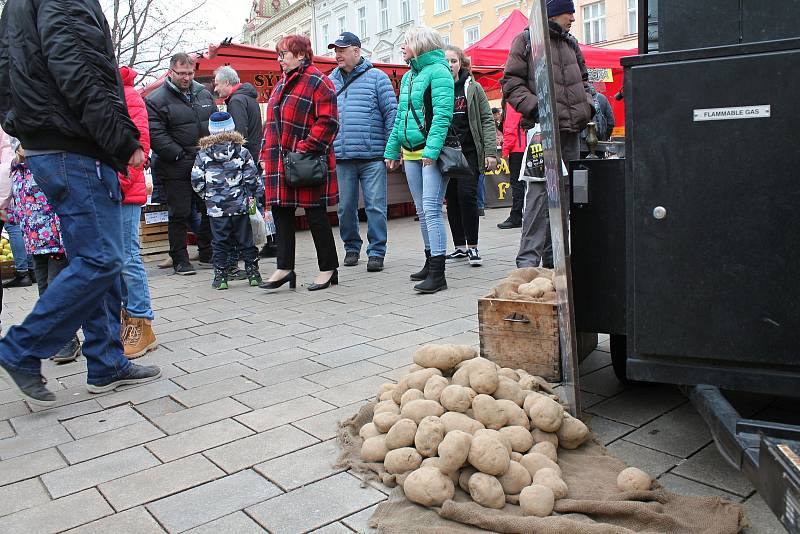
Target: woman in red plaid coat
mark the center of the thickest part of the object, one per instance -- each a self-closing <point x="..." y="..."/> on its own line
<point x="301" y="117"/>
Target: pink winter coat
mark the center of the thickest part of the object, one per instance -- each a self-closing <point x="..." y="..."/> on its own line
<point x="133" y="187"/>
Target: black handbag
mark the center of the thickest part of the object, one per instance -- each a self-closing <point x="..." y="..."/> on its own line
<point x="301" y="169"/>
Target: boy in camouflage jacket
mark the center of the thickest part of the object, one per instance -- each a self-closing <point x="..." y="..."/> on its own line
<point x="226" y="176"/>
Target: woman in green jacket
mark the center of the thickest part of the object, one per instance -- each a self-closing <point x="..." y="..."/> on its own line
<point x="424" y="112"/>
<point x="474" y="125"/>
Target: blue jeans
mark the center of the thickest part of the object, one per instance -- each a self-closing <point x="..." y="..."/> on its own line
<point x="481" y="191"/>
<point x="17" y="242"/>
<point x="135" y="291"/>
<point x="428" y="187"/>
<point x="86" y="196"/>
<point x="372" y="177"/>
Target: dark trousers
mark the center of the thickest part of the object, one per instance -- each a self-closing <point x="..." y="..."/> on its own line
<point x="180" y="196"/>
<point x="232" y="237"/>
<point x="47" y="267"/>
<point x="321" y="232"/>
<point x="517" y="187"/>
<point x="462" y="205"/>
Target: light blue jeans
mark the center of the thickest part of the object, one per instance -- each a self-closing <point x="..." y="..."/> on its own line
<point x="371" y="175"/>
<point x="135" y="291"/>
<point x="428" y="187"/>
<point x="481" y="191"/>
<point x="21" y="260"/>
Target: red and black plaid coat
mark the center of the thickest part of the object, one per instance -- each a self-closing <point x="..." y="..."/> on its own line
<point x="305" y="103"/>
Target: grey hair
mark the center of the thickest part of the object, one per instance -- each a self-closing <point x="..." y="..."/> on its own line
<point x="227" y="74"/>
<point x="421" y="39"/>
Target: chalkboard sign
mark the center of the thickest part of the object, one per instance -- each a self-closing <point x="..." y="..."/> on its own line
<point x="558" y="201"/>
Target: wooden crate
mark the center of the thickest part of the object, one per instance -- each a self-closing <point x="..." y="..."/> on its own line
<point x="7" y="269"/>
<point x="149" y="233"/>
<point x="521" y="335"/>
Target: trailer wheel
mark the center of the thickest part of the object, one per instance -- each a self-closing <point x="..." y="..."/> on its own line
<point x="619" y="356"/>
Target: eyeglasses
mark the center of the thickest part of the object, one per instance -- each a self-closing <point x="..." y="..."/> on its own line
<point x="282" y="53"/>
<point x="182" y="74"/>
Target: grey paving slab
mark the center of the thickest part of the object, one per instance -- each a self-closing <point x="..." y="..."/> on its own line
<point x="44" y="438"/>
<point x="396" y="358"/>
<point x="277" y="357"/>
<point x="58" y="515"/>
<point x="102" y="421"/>
<point x="594" y="361"/>
<point x="709" y="467"/>
<point x="277" y="393"/>
<point x="236" y="523"/>
<point x="204" y="414"/>
<point x="213" y="343"/>
<point x="158" y="407"/>
<point x="284" y="372"/>
<point x="210" y="376"/>
<point x="6" y="431"/>
<point x="285" y="412"/>
<point x="29" y="466"/>
<point x="400" y="341"/>
<point x="211" y="501"/>
<point x="333" y="528"/>
<point x="133" y="521"/>
<point x="162" y="327"/>
<point x="198" y="439"/>
<point x="26" y="424"/>
<point x="761" y="518"/>
<point x="13" y="409"/>
<point x="602" y="382"/>
<point x="323" y="426"/>
<point x="640" y="404"/>
<point x="680" y="432"/>
<point x="84" y="475"/>
<point x="140" y="394"/>
<point x="607" y="430"/>
<point x="211" y="392"/>
<point x="334" y="498"/>
<point x="684" y="486"/>
<point x="346" y="374"/>
<point x="394" y="375"/>
<point x="274" y="346"/>
<point x="338" y="358"/>
<point x="158" y="482"/>
<point x="653" y="462"/>
<point x="360" y="521"/>
<point x="366" y="388"/>
<point x="201" y="363"/>
<point x="302" y="467"/>
<point x="22" y="495"/>
<point x="108" y="442"/>
<point x="247" y="452"/>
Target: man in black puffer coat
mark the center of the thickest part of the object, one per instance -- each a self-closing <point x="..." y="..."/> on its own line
<point x="178" y="112"/>
<point x="241" y="100"/>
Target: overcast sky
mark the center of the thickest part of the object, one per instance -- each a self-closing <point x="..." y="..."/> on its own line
<point x="226" y="17"/>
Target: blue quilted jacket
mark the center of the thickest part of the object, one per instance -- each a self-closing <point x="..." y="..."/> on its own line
<point x="366" y="113"/>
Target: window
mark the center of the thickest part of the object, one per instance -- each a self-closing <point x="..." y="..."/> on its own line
<point x="405" y="10"/>
<point x="594" y="23"/>
<point x="342" y="22"/>
<point x="633" y="17"/>
<point x="440" y="6"/>
<point x="326" y="36"/>
<point x="362" y="22"/>
<point x="384" y="11"/>
<point x="472" y="35"/>
<point x="386" y="59"/>
<point x="446" y="39"/>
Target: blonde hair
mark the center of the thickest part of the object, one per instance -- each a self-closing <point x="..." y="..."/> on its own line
<point x="466" y="63"/>
<point x="421" y="39"/>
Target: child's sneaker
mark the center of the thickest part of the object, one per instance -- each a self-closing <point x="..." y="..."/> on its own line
<point x="252" y="274"/>
<point x="220" y="278"/>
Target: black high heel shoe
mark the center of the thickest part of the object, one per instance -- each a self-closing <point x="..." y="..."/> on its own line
<point x="332" y="281"/>
<point x="291" y="278"/>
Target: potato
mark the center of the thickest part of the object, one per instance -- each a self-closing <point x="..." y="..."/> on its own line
<point x="528" y="383"/>
<point x="633" y="479"/>
<point x="536" y="287"/>
<point x="525" y="273"/>
<point x="368" y="431"/>
<point x="509" y="373"/>
<point x="457" y="398"/>
<point x="434" y="387"/>
<point x="387" y="406"/>
<point x="515" y="416"/>
<point x="488" y="412"/>
<point x="509" y="389"/>
<point x="385" y="420"/>
<point x="386" y="387"/>
<point x="459" y="421"/>
<point x="428" y="486"/>
<point x="516" y="478"/>
<point x="530" y="398"/>
<point x="519" y="437"/>
<point x="496" y="435"/>
<point x="461" y="377"/>
<point x="402" y="460"/>
<point x="546" y="448"/>
<point x="435" y="461"/>
<point x="386" y="395"/>
<point x="572" y="433"/>
<point x="418" y="410"/>
<point x="430" y="433"/>
<point x="534" y="462"/>
<point x="443" y="357"/>
<point x="483" y="376"/>
<point x="539" y="436"/>
<point x="546" y="414"/>
<point x="374" y="449"/>
<point x="552" y="479"/>
<point x="464" y="476"/>
<point x="411" y="395"/>
<point x="454" y="450"/>
<point x="489" y="455"/>
<point x="413" y="380"/>
<point x="516" y="456"/>
<point x="388" y="479"/>
<point x="537" y="501"/>
<point x="486" y="491"/>
<point x="401" y="434"/>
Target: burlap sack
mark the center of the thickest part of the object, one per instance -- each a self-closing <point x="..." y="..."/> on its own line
<point x="594" y="505"/>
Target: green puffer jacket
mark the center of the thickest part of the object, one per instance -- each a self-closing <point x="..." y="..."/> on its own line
<point x="427" y="70"/>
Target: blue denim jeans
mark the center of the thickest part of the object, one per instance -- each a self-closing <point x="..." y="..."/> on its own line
<point x="135" y="291"/>
<point x="21" y="260"/>
<point x="372" y="177"/>
<point x="481" y="191"/>
<point x="86" y="196"/>
<point x="428" y="187"/>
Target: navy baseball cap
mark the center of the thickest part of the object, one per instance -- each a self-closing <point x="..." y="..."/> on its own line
<point x="344" y="40"/>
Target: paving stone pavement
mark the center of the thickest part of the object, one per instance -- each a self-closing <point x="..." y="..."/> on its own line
<point x="238" y="435"/>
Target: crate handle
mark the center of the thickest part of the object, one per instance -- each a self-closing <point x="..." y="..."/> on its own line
<point x="517" y="318"/>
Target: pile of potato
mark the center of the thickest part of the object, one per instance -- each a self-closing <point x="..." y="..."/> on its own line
<point x="456" y="418"/>
<point x="528" y="283"/>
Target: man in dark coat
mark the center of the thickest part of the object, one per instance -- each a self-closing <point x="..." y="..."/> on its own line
<point x="178" y="112"/>
<point x="241" y="100"/>
<point x="62" y="96"/>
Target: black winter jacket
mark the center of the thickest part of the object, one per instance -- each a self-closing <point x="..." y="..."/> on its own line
<point x="243" y="107"/>
<point x="176" y="126"/>
<point x="59" y="84"/>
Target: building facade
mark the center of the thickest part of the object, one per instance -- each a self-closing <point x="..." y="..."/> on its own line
<point x="271" y="20"/>
<point x="606" y="23"/>
<point x="379" y="24"/>
<point x="464" y="22"/>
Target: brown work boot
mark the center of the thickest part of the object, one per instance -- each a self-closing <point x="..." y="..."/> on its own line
<point x="139" y="338"/>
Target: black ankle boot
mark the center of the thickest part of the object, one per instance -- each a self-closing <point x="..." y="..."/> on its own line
<point x="423" y="274"/>
<point x="435" y="280"/>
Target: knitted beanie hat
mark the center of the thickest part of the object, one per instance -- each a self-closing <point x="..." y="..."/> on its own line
<point x="220" y="122"/>
<point x="559" y="7"/>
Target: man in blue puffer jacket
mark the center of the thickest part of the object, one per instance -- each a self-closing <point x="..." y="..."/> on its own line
<point x="367" y="107"/>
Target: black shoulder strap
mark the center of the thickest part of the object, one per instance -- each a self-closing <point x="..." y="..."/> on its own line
<point x="428" y="107"/>
<point x="351" y="80"/>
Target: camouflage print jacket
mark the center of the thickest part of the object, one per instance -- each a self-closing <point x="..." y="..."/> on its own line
<point x="225" y="175"/>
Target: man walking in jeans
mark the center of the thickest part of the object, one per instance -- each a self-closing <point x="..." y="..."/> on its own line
<point x="367" y="107"/>
<point x="67" y="107"/>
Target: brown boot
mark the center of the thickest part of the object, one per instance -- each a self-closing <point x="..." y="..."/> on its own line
<point x="139" y="338"/>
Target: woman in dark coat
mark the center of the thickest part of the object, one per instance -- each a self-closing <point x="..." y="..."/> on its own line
<point x="301" y="117"/>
